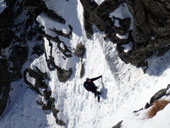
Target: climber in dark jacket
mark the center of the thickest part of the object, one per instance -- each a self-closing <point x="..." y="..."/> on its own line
<point x="90" y="86"/>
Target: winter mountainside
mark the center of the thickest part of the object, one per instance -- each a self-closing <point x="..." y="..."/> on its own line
<point x="49" y="47"/>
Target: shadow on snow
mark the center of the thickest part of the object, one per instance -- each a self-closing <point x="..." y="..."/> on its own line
<point x="157" y="65"/>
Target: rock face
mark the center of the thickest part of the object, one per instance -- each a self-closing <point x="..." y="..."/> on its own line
<point x="159" y="94"/>
<point x="150" y="34"/>
<point x="80" y="50"/>
<point x="5" y="42"/>
<point x="18" y="57"/>
<point x="38" y="6"/>
<point x="41" y="87"/>
<point x="4" y="83"/>
<point x="118" y="125"/>
<point x="5" y="75"/>
<point x="88" y="6"/>
<point x="151" y="27"/>
<point x="14" y="38"/>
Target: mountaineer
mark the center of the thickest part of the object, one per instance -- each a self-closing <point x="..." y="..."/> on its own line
<point x="90" y="86"/>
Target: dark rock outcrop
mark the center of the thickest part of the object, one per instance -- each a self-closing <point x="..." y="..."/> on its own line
<point x="118" y="125"/>
<point x="38" y="6"/>
<point x="88" y="6"/>
<point x="5" y="42"/>
<point x="151" y="27"/>
<point x="82" y="70"/>
<point x="55" y="112"/>
<point x="159" y="94"/>
<point x="4" y="84"/>
<point x="63" y="75"/>
<point x="65" y="50"/>
<point x="41" y="88"/>
<point x="14" y="36"/>
<point x="7" y="16"/>
<point x="80" y="50"/>
<point x="50" y="105"/>
<point x="18" y="57"/>
<point x="39" y="77"/>
<point x="38" y="49"/>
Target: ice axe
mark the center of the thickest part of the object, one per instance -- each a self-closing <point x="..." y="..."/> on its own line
<point x="102" y="82"/>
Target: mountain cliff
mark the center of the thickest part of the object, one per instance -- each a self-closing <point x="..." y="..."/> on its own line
<point x="49" y="48"/>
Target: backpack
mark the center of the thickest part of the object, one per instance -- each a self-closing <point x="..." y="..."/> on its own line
<point x="87" y="86"/>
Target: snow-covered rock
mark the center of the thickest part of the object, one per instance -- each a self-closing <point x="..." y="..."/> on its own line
<point x="50" y="93"/>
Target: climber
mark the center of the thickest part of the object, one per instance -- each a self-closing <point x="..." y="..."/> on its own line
<point x="90" y="86"/>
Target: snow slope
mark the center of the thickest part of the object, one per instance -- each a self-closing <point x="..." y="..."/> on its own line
<point x="125" y="88"/>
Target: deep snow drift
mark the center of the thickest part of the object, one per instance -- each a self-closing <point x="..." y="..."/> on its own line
<point x="125" y="88"/>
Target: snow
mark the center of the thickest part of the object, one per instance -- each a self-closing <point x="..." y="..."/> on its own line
<point x="125" y="88"/>
<point x="2" y="5"/>
<point x="30" y="79"/>
<point x="23" y="111"/>
<point x="158" y="121"/>
<point x="98" y="1"/>
<point x="127" y="47"/>
<point x="152" y="38"/>
<point x="122" y="36"/>
<point x="71" y="11"/>
<point x="123" y="12"/>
